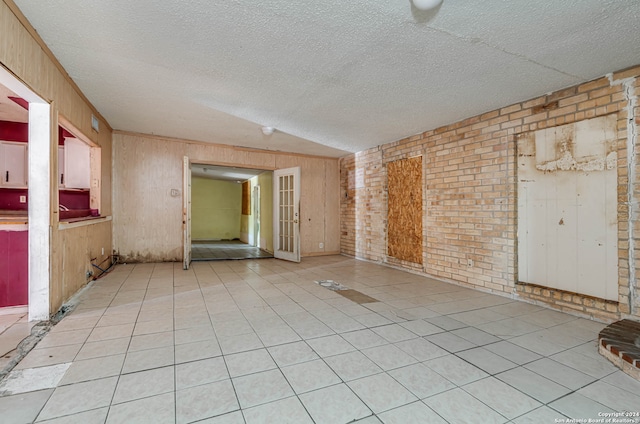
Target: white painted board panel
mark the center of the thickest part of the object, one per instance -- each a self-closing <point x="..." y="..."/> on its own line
<point x="13" y="158"/>
<point x="77" y="163"/>
<point x="567" y="208"/>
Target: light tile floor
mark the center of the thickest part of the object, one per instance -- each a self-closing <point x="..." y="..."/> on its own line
<point x="14" y="327"/>
<point x="258" y="341"/>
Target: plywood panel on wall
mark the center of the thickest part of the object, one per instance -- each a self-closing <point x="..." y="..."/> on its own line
<point x="405" y="209"/>
<point x="567" y="207"/>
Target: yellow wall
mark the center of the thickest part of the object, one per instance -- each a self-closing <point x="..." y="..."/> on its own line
<point x="265" y="181"/>
<point x="24" y="54"/>
<point x="215" y="209"/>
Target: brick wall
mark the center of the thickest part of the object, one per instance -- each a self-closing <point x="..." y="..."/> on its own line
<point x="634" y="127"/>
<point x="470" y="202"/>
<point x="363" y="220"/>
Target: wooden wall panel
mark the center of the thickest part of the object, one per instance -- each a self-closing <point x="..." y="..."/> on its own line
<point x="405" y="209"/>
<point x="25" y="55"/>
<point x="223" y="154"/>
<point x="311" y="213"/>
<point x="78" y="246"/>
<point x="148" y="220"/>
<point x="319" y="222"/>
<point x="246" y="198"/>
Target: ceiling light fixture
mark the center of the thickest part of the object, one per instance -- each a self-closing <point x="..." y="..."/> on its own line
<point x="268" y="130"/>
<point x="426" y="4"/>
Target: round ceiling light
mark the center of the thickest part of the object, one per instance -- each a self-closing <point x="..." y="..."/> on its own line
<point x="426" y="4"/>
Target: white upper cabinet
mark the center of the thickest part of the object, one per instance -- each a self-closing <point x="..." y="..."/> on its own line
<point x="77" y="164"/>
<point x="13" y="164"/>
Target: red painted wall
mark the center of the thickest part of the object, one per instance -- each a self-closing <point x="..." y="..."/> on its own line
<point x="14" y="131"/>
<point x="19" y="131"/>
<point x="14" y="269"/>
<point x="10" y="199"/>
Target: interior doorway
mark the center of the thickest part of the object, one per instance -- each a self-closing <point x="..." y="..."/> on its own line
<point x="32" y="199"/>
<point x="227" y="219"/>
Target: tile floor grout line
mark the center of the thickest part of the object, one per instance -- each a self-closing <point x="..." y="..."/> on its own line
<point x="259" y="287"/>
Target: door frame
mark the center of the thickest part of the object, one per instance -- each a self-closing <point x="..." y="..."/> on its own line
<point x="186" y="212"/>
<point x="256" y="215"/>
<point x="42" y="124"/>
<point x="187" y="200"/>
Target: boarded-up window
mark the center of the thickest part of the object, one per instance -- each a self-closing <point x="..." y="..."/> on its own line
<point x="568" y="206"/>
<point x="405" y="209"/>
<point x="246" y="198"/>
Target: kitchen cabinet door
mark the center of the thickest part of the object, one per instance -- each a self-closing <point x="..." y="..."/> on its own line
<point x="13" y="164"/>
<point x="77" y="163"/>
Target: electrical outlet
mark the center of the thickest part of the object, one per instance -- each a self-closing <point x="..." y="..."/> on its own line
<point x="321" y="245"/>
<point x="23" y="199"/>
<point x="469" y="263"/>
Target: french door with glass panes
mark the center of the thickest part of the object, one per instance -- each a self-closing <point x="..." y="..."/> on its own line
<point x="286" y="214"/>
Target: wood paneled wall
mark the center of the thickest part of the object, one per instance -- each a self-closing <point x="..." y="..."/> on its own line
<point x="148" y="220"/>
<point x="73" y="259"/>
<point x="24" y="54"/>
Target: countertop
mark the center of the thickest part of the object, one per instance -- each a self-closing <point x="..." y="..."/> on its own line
<point x="10" y="217"/>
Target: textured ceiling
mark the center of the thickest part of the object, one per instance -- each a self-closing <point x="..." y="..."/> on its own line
<point x="332" y="76"/>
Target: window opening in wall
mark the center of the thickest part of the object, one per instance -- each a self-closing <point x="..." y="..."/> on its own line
<point x="78" y="176"/>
